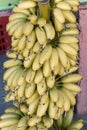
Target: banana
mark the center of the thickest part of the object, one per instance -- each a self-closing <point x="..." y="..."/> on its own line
<point x="36" y="65"/>
<point x="75" y="46"/>
<point x="63" y="5"/>
<point x="22" y="78"/>
<point x="31" y="40"/>
<point x="12" y="62"/>
<point x="69" y="31"/>
<point x="36" y="48"/>
<point x="52" y="110"/>
<point x="72" y="87"/>
<point x="14" y="42"/>
<point x="29" y="60"/>
<point x="38" y="76"/>
<point x="16" y="28"/>
<point x="69" y="16"/>
<point x="9" y="97"/>
<point x="50" y="31"/>
<point x="57" y="13"/>
<point x="14" y="55"/>
<point x="13" y="127"/>
<point x="54" y="59"/>
<point x="62" y="70"/>
<point x="59" y="121"/>
<point x="40" y="126"/>
<point x="13" y="22"/>
<point x="76" y="125"/>
<point x="46" y="54"/>
<point x="9" y="71"/>
<point x="44" y="98"/>
<point x="34" y="120"/>
<point x="58" y="25"/>
<point x="13" y="110"/>
<point x="26" y="52"/>
<point x="34" y="96"/>
<point x="50" y="81"/>
<point x="63" y="58"/>
<point x="15" y="16"/>
<point x="29" y="90"/>
<point x="18" y="10"/>
<point x="71" y="78"/>
<point x="22" y="43"/>
<point x="8" y="122"/>
<point x="33" y="128"/>
<point x="42" y="87"/>
<point x="60" y="111"/>
<point x="30" y="75"/>
<point x="71" y="39"/>
<point x="68" y="49"/>
<point x="42" y="108"/>
<point x="72" y="2"/>
<point x="33" y="107"/>
<point x="28" y="28"/>
<point x="24" y="108"/>
<point x="70" y="95"/>
<point x="70" y="25"/>
<point x="9" y="116"/>
<point x="60" y="101"/>
<point x="26" y="4"/>
<point x="41" y="35"/>
<point x="54" y="95"/>
<point x="41" y="22"/>
<point x="67" y="118"/>
<point x="48" y="122"/>
<point x="75" y="8"/>
<point x="46" y="68"/>
<point x="33" y="19"/>
<point x="56" y="1"/>
<point x="22" y="124"/>
<point x="21" y="91"/>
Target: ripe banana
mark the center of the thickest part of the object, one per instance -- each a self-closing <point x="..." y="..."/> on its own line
<point x="69" y="31"/>
<point x="22" y="78"/>
<point x="63" y="6"/>
<point x="22" y="43"/>
<point x="18" y="10"/>
<point x="26" y="4"/>
<point x="17" y="16"/>
<point x="30" y="75"/>
<point x="34" y="120"/>
<point x="28" y="28"/>
<point x="48" y="122"/>
<point x="46" y="68"/>
<point x="14" y="55"/>
<point x="21" y="91"/>
<point x="36" y="48"/>
<point x="41" y="22"/>
<point x="54" y="95"/>
<point x="72" y="2"/>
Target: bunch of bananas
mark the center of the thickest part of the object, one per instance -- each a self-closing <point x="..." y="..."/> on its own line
<point x="40" y="75"/>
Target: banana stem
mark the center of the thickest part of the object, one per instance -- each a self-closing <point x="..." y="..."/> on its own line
<point x="44" y="7"/>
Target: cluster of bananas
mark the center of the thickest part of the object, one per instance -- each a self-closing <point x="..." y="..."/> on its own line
<point x="40" y="72"/>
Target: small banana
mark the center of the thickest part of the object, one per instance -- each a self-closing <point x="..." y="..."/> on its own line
<point x="50" y="81"/>
<point x="15" y="42"/>
<point x="28" y="28"/>
<point x="41" y="35"/>
<point x="33" y="19"/>
<point x="57" y="1"/>
<point x="9" y="116"/>
<point x="71" y="39"/>
<point x="63" y="5"/>
<point x="70" y="25"/>
<point x="44" y="98"/>
<point x="24" y="108"/>
<point x="33" y="128"/>
<point x="69" y="31"/>
<point x="48" y="122"/>
<point x="30" y="75"/>
<point x="18" y="10"/>
<point x="50" y="31"/>
<point x="29" y="90"/>
<point x="60" y="101"/>
<point x="38" y="76"/>
<point x="41" y="22"/>
<point x="36" y="48"/>
<point x="21" y="91"/>
<point x="17" y="16"/>
<point x="26" y="52"/>
<point x="46" y="68"/>
<point x="14" y="55"/>
<point x="26" y="4"/>
<point x="54" y="94"/>
<point x="72" y="2"/>
<point x="57" y="13"/>
<point x="22" y="78"/>
<point x="22" y="43"/>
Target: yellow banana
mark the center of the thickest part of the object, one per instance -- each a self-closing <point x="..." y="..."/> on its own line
<point x="48" y="122"/>
<point x="33" y="19"/>
<point x="52" y="110"/>
<point x="54" y="59"/>
<point x="31" y="40"/>
<point x="40" y="126"/>
<point x="9" y="97"/>
<point x="44" y="98"/>
<point x="50" y="81"/>
<point x="68" y="39"/>
<point x="69" y="16"/>
<point x="50" y="31"/>
<point x="71" y="78"/>
<point x="29" y="60"/>
<point x="33" y="128"/>
<point x="41" y="22"/>
<point x="46" y="68"/>
<point x="68" y="49"/>
<point x="34" y="96"/>
<point x="42" y="108"/>
<point x="46" y="54"/>
<point x="29" y="90"/>
<point x="57" y="13"/>
<point x="60" y="111"/>
<point x="17" y="16"/>
<point x="36" y="65"/>
<point x="75" y="8"/>
<point x="54" y="94"/>
<point x="8" y="122"/>
<point x="59" y="121"/>
<point x="21" y="91"/>
<point x="61" y="70"/>
<point x="14" y="42"/>
<point x="42" y="87"/>
<point x="60" y="101"/>
<point x="70" y="25"/>
<point x="18" y="10"/>
<point x="12" y="62"/>
<point x="38" y="76"/>
<point x="14" y="55"/>
<point x="28" y="28"/>
<point x="26" y="52"/>
<point x="9" y="116"/>
<point x="67" y="119"/>
<point x="33" y="107"/>
<point x="63" y="5"/>
<point x="75" y="46"/>
<point x="30" y="75"/>
<point x="34" y="120"/>
<point x="22" y="78"/>
<point x="12" y="127"/>
<point x="36" y="47"/>
<point x="24" y="108"/>
<point x="69" y="31"/>
<point x="22" y="43"/>
<point x="56" y="1"/>
<point x="41" y="35"/>
<point x="26" y="4"/>
<point x="72" y="2"/>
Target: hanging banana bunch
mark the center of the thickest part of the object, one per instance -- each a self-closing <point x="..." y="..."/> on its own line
<point x="40" y="75"/>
